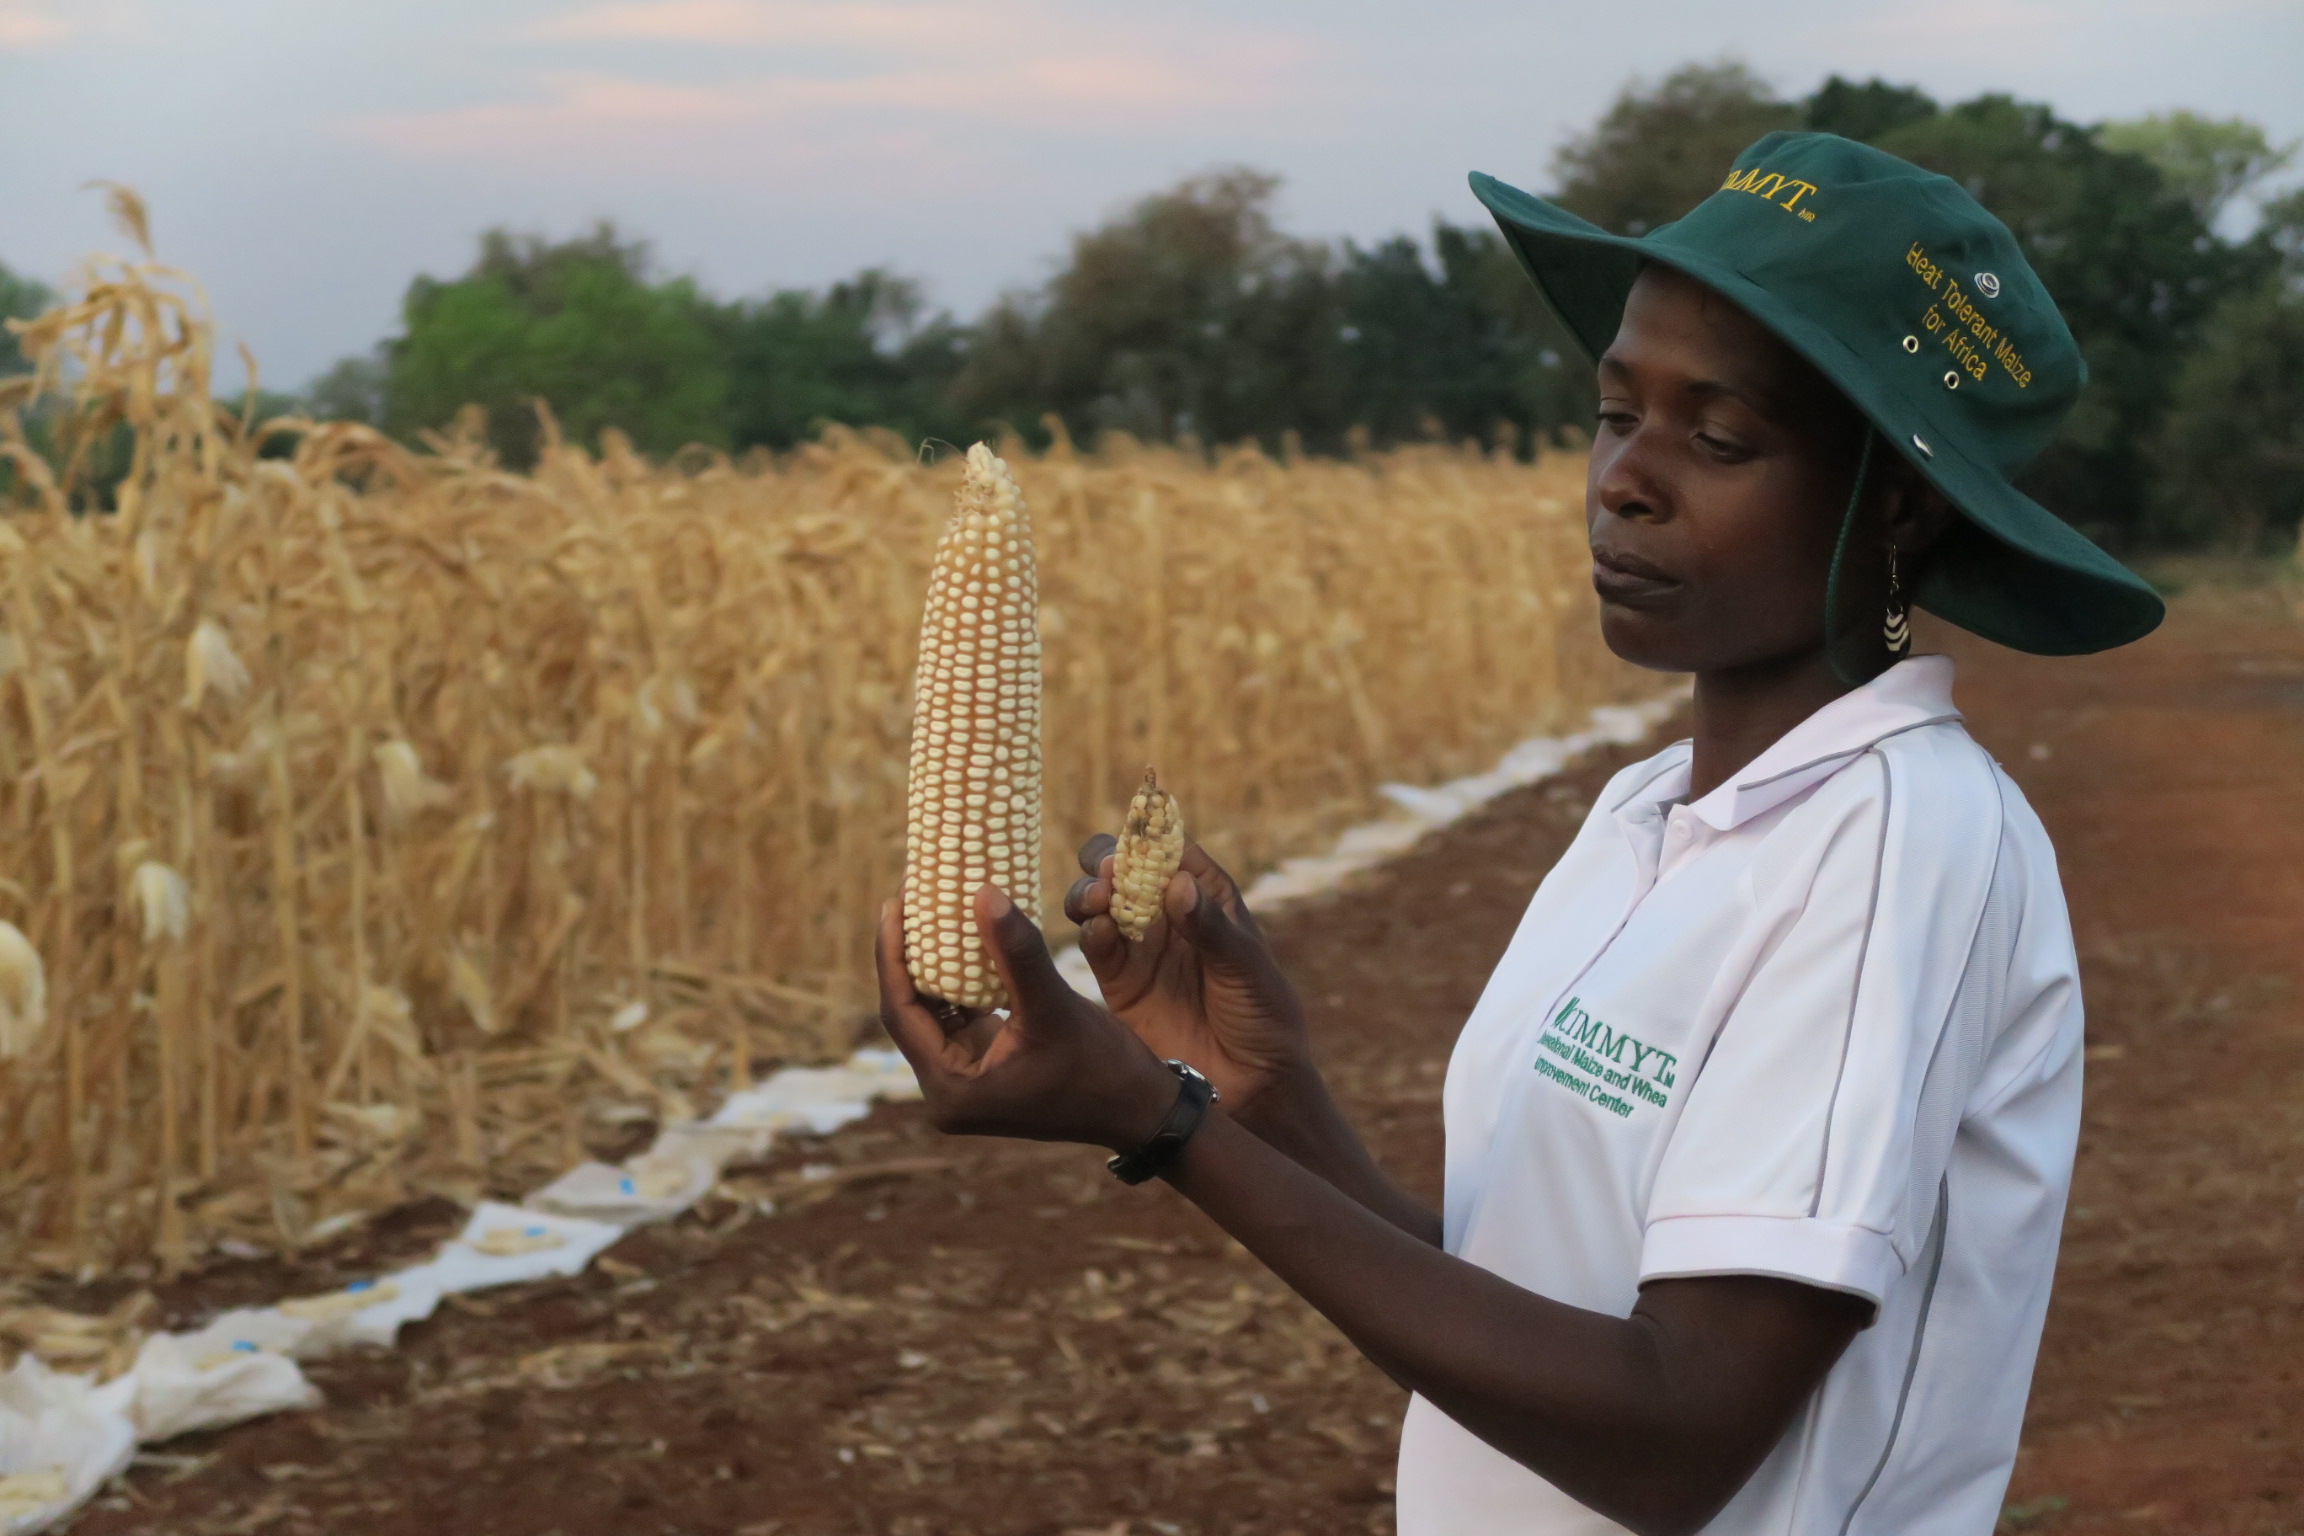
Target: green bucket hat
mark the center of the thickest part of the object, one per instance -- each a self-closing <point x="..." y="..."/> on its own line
<point x="1921" y="307"/>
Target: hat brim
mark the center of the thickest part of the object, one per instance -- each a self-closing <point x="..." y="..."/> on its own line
<point x="2010" y="570"/>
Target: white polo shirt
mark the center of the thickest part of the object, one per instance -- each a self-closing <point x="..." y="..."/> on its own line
<point x="1823" y="1023"/>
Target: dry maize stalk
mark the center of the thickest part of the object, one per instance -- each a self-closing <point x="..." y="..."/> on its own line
<point x="1151" y="846"/>
<point x="973" y="806"/>
<point x="23" y="992"/>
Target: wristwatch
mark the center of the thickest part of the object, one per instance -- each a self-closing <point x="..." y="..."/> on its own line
<point x="1194" y="1094"/>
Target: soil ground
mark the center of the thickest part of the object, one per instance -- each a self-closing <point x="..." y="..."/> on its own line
<point x="930" y="1336"/>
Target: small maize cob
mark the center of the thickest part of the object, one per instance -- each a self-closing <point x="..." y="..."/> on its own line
<point x="1151" y="846"/>
<point x="974" y="801"/>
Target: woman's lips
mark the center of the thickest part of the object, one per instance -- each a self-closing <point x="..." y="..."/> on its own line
<point x="1626" y="578"/>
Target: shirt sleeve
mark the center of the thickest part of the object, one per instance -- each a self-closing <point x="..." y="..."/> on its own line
<point x="1818" y="1129"/>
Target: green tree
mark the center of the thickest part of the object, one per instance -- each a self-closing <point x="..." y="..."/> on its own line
<point x="2231" y="448"/>
<point x="2230" y="457"/>
<point x="1660" y="150"/>
<point x="1457" y="342"/>
<point x="579" y="325"/>
<point x="2131" y="265"/>
<point x="1189" y="314"/>
<point x="857" y="353"/>
<point x="20" y="299"/>
<point x="2207" y="161"/>
<point x="353" y="389"/>
<point x="1866" y="112"/>
<point x="2281" y="234"/>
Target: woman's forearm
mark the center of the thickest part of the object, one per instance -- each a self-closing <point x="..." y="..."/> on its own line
<point x="1616" y="1412"/>
<point x="1303" y="1120"/>
<point x="1552" y="1377"/>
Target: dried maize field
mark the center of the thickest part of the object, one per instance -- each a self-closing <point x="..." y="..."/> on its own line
<point x="379" y="822"/>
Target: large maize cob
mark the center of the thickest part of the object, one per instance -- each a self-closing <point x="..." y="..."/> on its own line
<point x="1151" y="846"/>
<point x="974" y="806"/>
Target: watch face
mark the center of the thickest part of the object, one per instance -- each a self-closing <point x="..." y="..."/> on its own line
<point x="1192" y="1074"/>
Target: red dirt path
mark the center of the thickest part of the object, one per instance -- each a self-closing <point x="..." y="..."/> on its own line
<point x="2170" y="1395"/>
<point x="933" y="1336"/>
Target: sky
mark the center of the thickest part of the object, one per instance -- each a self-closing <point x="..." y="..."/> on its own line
<point x="304" y="160"/>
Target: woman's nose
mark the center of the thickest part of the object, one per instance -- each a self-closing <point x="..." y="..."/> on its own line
<point x="1625" y="481"/>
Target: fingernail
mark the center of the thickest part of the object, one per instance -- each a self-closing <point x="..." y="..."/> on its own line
<point x="1000" y="906"/>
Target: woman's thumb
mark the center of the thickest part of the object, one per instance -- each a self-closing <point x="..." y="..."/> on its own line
<point x="1020" y="954"/>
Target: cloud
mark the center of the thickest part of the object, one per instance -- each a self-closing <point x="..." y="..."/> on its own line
<point x="895" y="72"/>
<point x="754" y="22"/>
<point x="571" y="112"/>
<point x="27" y="24"/>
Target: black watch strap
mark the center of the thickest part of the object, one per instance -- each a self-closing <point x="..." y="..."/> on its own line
<point x="1194" y="1094"/>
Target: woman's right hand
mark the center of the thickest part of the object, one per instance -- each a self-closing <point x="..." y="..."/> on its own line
<point x="1202" y="986"/>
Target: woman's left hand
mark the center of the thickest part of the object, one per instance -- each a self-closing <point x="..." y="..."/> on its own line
<point x="1057" y="1068"/>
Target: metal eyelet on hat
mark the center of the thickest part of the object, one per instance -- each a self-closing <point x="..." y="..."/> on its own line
<point x="1988" y="284"/>
<point x="1921" y="443"/>
<point x="1951" y="378"/>
<point x="1911" y="343"/>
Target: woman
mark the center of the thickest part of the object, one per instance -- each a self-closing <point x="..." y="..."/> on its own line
<point x="1759" y="1138"/>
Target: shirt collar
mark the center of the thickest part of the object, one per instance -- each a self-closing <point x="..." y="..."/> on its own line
<point x="1916" y="691"/>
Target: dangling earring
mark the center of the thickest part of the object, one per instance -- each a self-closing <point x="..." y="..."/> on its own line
<point x="1896" y="630"/>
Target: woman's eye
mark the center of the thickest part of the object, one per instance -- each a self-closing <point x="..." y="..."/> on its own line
<point x="1617" y="420"/>
<point x="1722" y="447"/>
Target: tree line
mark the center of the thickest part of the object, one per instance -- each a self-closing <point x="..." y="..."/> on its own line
<point x="1192" y="315"/>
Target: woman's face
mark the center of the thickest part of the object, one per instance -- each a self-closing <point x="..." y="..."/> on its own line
<point x="1721" y="467"/>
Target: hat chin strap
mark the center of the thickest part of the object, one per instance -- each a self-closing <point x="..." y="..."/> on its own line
<point x="1833" y="649"/>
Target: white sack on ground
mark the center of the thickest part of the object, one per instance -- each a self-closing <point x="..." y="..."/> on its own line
<point x="59" y="1443"/>
<point x="249" y="1329"/>
<point x="504" y="1244"/>
<point x="647" y="1188"/>
<point x="675" y="1172"/>
<point x="885" y="1071"/>
<point x="773" y="1112"/>
<point x="700" y="1141"/>
<point x="368" y="1312"/>
<point x="1073" y="966"/>
<point x="820" y="1099"/>
<point x="207" y="1380"/>
<point x="686" y="1159"/>
<point x="1426" y="810"/>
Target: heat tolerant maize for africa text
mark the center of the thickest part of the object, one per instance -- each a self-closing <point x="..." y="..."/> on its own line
<point x="1151" y="846"/>
<point x="974" y="800"/>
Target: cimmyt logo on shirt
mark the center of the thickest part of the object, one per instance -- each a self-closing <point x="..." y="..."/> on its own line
<point x="1617" y="1064"/>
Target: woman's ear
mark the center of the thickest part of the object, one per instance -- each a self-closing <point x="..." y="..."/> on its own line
<point x="1913" y="513"/>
